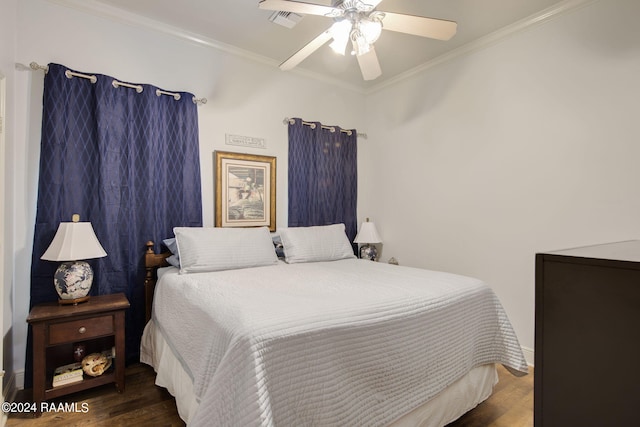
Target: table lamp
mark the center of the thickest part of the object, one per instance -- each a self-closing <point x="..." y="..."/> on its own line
<point x="74" y="241"/>
<point x="367" y="236"/>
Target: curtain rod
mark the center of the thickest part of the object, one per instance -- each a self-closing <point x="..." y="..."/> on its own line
<point x="288" y="121"/>
<point x="70" y="74"/>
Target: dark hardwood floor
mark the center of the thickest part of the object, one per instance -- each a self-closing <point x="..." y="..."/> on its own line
<point x="142" y="404"/>
<point x="145" y="404"/>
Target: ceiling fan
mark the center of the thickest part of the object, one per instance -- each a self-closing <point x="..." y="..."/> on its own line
<point x="358" y="22"/>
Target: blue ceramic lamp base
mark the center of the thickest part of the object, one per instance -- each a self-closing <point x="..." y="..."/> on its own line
<point x="369" y="252"/>
<point x="73" y="282"/>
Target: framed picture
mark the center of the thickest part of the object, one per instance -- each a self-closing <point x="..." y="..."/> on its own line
<point x="245" y="190"/>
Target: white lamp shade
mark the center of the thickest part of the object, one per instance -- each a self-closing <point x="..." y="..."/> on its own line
<point x="368" y="234"/>
<point x="74" y="241"/>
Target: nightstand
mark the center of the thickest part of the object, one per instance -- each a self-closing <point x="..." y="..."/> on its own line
<point x="97" y="323"/>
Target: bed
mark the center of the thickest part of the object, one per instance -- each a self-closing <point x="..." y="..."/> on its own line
<point x="242" y="337"/>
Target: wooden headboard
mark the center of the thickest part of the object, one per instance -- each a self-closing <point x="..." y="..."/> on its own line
<point x="152" y="261"/>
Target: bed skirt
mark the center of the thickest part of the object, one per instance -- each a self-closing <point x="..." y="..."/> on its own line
<point x="460" y="397"/>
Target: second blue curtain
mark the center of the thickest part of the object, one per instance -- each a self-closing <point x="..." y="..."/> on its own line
<point x="323" y="176"/>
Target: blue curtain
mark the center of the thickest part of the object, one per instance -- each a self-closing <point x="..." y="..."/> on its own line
<point x="126" y="161"/>
<point x="323" y="176"/>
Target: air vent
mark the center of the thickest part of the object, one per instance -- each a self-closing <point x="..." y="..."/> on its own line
<point x="286" y="19"/>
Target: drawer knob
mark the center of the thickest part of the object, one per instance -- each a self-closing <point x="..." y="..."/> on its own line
<point x="82" y="330"/>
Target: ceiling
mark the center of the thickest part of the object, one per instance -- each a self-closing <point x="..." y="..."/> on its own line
<point x="241" y="27"/>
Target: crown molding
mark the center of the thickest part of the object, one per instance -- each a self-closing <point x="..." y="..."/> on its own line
<point x="115" y="14"/>
<point x="488" y="40"/>
<point x="112" y="13"/>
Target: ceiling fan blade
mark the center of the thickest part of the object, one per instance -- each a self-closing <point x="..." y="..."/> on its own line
<point x="439" y="29"/>
<point x="369" y="65"/>
<point x="307" y="50"/>
<point x="298" y="7"/>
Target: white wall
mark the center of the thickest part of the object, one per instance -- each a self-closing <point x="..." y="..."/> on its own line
<point x="7" y="72"/>
<point x="528" y="145"/>
<point x="244" y="98"/>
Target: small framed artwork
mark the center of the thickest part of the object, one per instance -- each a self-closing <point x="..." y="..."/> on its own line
<point x="245" y="190"/>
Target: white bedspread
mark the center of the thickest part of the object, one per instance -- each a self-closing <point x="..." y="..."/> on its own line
<point x="349" y="343"/>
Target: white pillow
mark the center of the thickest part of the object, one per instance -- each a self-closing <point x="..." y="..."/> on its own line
<point x="319" y="243"/>
<point x="213" y="249"/>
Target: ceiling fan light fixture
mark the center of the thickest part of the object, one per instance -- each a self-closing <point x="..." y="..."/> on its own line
<point x="340" y="31"/>
<point x="358" y="21"/>
<point x="360" y="43"/>
<point x="366" y="31"/>
<point x="371" y="28"/>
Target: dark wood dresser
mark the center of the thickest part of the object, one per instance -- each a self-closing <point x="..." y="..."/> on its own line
<point x="587" y="336"/>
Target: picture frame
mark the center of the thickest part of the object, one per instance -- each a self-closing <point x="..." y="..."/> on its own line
<point x="245" y="190"/>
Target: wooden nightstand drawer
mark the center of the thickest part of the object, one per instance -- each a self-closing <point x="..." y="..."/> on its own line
<point x="78" y="330"/>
